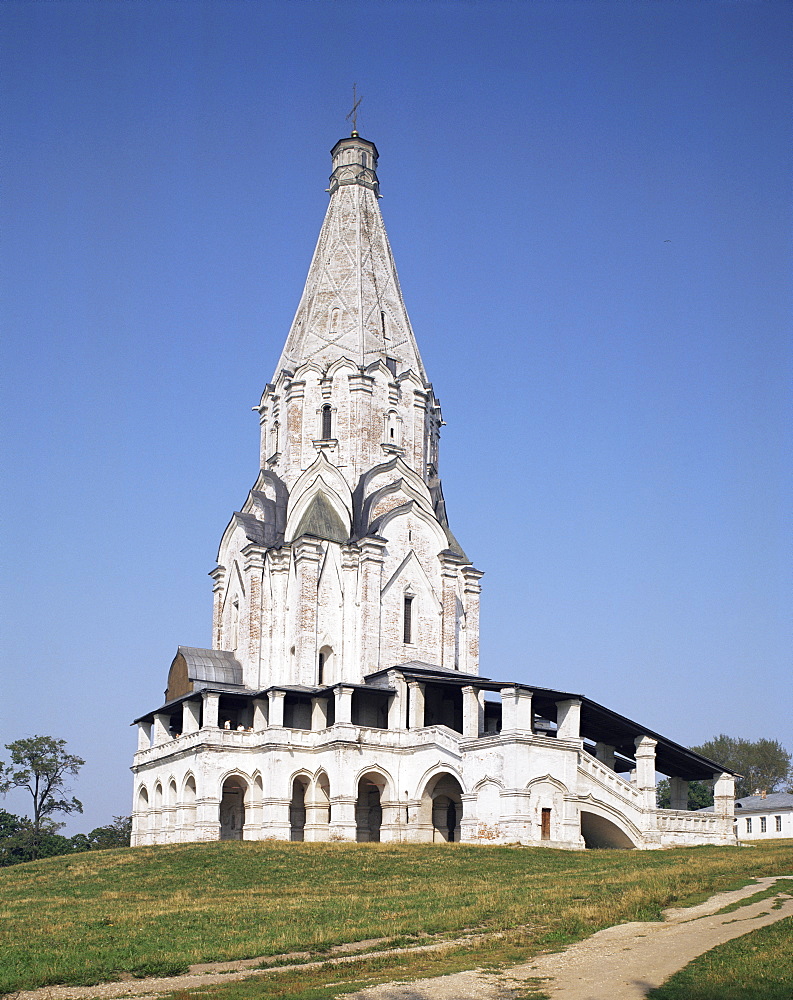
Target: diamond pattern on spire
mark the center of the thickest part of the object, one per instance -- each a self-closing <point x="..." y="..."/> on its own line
<point x="352" y="304"/>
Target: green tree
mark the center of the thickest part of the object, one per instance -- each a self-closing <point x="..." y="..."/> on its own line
<point x="700" y="794"/>
<point x="763" y="764"/>
<point x="41" y="765"/>
<point x="115" y="834"/>
<point x="18" y="844"/>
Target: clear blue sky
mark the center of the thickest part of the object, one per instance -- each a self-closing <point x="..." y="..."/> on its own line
<point x="590" y="208"/>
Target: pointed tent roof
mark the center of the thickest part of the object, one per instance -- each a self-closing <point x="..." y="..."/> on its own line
<point x="352" y="303"/>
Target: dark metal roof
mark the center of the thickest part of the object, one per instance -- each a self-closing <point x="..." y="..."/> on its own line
<point x="214" y="666"/>
<point x="255" y="530"/>
<point x="219" y="670"/>
<point x="598" y="723"/>
<point x="771" y="803"/>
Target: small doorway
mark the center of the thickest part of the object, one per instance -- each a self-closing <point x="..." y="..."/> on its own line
<point x="232" y="810"/>
<point x="368" y="812"/>
<point x="545" y="825"/>
<point x="447" y="809"/>
<point x="297" y="810"/>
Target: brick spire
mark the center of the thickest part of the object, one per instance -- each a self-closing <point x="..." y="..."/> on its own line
<point x="352" y="304"/>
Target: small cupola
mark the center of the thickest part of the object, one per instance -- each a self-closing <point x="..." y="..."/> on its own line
<point x="354" y="162"/>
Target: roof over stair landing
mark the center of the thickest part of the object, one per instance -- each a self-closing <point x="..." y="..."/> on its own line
<point x="352" y="304"/>
<point x="216" y="670"/>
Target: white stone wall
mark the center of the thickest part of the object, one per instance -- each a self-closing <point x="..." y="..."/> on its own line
<point x="506" y="782"/>
<point x="757" y="832"/>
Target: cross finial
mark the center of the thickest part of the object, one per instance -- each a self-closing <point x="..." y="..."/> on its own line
<point x="354" y="113"/>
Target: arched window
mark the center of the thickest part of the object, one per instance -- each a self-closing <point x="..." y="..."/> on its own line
<point x="364" y="161"/>
<point x="407" y="619"/>
<point x="325" y="666"/>
<point x="334" y="319"/>
<point x="235" y="620"/>
<point x="274" y="441"/>
<point x="392" y="428"/>
<point x="327" y="421"/>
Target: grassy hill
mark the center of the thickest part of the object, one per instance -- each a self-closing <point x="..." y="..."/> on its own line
<point x="86" y="918"/>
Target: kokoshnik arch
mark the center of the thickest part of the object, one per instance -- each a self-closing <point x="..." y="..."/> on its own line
<point x="342" y="699"/>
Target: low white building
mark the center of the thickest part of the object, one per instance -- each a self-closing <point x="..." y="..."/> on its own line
<point x="342" y="698"/>
<point x="764" y="816"/>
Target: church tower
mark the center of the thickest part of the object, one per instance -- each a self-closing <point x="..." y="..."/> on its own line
<point x="341" y="698"/>
<point x="341" y="560"/>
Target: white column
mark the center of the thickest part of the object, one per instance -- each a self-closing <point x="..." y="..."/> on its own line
<point x="161" y="733"/>
<point x="211" y="704"/>
<point x="343" y="705"/>
<point x="319" y="713"/>
<point x="342" y="817"/>
<point x="396" y="703"/>
<point x="645" y="769"/>
<point x="516" y="710"/>
<point x="568" y="719"/>
<point x="276" y="707"/>
<point x="260" y="706"/>
<point x="473" y="713"/>
<point x="724" y="794"/>
<point x="678" y="793"/>
<point x="191" y="716"/>
<point x="144" y="735"/>
<point x="605" y="754"/>
<point x="416" y="710"/>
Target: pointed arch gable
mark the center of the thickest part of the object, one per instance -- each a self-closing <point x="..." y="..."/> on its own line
<point x="229" y="539"/>
<point x="379" y="366"/>
<point x="394" y="468"/>
<point x="267" y="503"/>
<point x="410" y="376"/>
<point x="320" y="478"/>
<point x="322" y="520"/>
<point x="339" y="365"/>
<point x="380" y="525"/>
<point x="393" y="495"/>
<point x="306" y="369"/>
<point x="411" y="571"/>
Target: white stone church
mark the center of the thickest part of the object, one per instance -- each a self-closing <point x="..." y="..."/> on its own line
<point x="342" y="699"/>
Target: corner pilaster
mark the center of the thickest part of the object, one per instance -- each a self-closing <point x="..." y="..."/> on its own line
<point x="372" y="556"/>
<point x="308" y="554"/>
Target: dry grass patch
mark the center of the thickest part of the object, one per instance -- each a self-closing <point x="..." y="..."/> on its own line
<point x="159" y="910"/>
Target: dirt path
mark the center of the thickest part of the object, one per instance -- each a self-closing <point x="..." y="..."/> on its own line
<point x="619" y="963"/>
